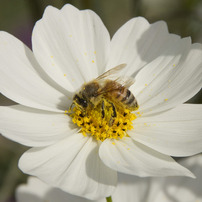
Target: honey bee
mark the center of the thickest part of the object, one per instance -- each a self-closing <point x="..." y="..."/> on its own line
<point x="115" y="91"/>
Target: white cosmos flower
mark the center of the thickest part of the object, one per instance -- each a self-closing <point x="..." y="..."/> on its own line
<point x="71" y="47"/>
<point x="129" y="188"/>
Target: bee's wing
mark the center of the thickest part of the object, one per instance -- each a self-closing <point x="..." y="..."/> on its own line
<point x="125" y="81"/>
<point x="114" y="75"/>
<point x="113" y="86"/>
<point x="110" y="73"/>
<point x="106" y="89"/>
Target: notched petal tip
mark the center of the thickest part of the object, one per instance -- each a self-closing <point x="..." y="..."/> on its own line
<point x="69" y="6"/>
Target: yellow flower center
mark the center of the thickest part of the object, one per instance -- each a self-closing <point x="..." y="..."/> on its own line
<point x="103" y="122"/>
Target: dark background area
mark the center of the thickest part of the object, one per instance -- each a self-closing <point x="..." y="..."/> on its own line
<point x="184" y="17"/>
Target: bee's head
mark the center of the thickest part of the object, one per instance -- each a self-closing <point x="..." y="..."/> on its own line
<point x="81" y="101"/>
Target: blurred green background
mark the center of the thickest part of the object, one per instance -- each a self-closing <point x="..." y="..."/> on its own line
<point x="184" y="17"/>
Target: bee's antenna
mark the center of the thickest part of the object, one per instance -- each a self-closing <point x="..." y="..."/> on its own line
<point x="70" y="108"/>
<point x="69" y="112"/>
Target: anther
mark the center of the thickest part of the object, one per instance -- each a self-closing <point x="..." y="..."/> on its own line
<point x="124" y="114"/>
<point x="114" y="110"/>
<point x="103" y="112"/>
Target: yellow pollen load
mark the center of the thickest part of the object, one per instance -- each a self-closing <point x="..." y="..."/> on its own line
<point x="101" y="123"/>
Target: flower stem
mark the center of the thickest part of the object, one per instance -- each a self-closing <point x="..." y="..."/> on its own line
<point x="109" y="199"/>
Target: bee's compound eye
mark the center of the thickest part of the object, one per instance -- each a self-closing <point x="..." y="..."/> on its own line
<point x="82" y="102"/>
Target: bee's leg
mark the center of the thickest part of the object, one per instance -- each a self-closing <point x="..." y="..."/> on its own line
<point x="114" y="110"/>
<point x="114" y="114"/>
<point x="103" y="109"/>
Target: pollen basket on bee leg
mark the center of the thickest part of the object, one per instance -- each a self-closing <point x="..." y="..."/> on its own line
<point x="105" y="120"/>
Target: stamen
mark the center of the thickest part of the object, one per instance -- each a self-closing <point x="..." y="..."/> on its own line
<point x="101" y="122"/>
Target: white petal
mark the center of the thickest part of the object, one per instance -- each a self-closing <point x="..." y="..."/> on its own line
<point x="176" y="132"/>
<point x="137" y="43"/>
<point x="71" y="45"/>
<point x="34" y="191"/>
<point x="20" y="77"/>
<point x="73" y="165"/>
<point x="169" y="189"/>
<point x="131" y="189"/>
<point x="37" y="191"/>
<point x="131" y="157"/>
<point x="183" y="189"/>
<point x="33" y="127"/>
<point x="169" y="80"/>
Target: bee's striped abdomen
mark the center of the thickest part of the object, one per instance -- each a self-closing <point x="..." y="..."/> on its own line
<point x="121" y="95"/>
<point x="129" y="99"/>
